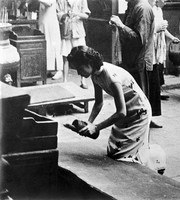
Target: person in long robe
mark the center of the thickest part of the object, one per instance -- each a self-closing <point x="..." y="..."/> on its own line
<point x="49" y="25"/>
<point x="136" y="37"/>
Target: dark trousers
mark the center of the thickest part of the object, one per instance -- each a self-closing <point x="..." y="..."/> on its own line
<point x="155" y="90"/>
<point x="161" y="74"/>
<point x="141" y="78"/>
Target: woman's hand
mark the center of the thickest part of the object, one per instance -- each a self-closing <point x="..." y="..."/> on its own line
<point x="162" y="26"/>
<point x="79" y="15"/>
<point x="89" y="131"/>
<point x="176" y="40"/>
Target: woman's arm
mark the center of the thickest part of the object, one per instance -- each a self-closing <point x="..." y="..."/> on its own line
<point x="83" y="12"/>
<point x="80" y="15"/>
<point x="120" y="107"/>
<point x="98" y="103"/>
<point x="127" y="32"/>
<point x="119" y="114"/>
<point x="171" y="37"/>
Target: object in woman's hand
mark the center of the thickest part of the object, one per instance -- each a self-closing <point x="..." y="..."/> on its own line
<point x="65" y="27"/>
<point x="174" y="53"/>
<point x="77" y="125"/>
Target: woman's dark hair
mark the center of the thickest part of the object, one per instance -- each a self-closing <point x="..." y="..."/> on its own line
<point x="84" y="55"/>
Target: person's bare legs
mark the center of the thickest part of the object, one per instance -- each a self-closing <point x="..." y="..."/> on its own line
<point x="65" y="68"/>
<point x="59" y="73"/>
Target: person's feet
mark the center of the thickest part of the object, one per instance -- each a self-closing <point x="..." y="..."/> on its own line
<point x="58" y="75"/>
<point x="154" y="125"/>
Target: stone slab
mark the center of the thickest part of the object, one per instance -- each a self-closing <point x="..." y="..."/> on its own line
<point x="120" y="180"/>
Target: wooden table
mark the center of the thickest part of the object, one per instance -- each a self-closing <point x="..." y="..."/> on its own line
<point x="80" y="97"/>
<point x="31" y="46"/>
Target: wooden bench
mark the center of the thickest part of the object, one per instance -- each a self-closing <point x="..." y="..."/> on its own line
<point x="69" y="93"/>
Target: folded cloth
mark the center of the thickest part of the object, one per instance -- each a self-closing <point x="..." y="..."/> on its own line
<point x="77" y="125"/>
<point x="157" y="157"/>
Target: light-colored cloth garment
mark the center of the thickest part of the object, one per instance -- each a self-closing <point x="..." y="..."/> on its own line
<point x="78" y="32"/>
<point x="129" y="136"/>
<point x="159" y="38"/>
<point x="49" y="25"/>
<point x="117" y="48"/>
<point x="67" y="45"/>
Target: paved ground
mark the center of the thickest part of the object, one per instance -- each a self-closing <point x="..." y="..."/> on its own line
<point x="168" y="137"/>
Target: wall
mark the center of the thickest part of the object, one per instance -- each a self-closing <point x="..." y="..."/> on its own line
<point x="98" y="31"/>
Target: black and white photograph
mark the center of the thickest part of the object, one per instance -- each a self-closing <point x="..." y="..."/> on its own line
<point x="89" y="99"/>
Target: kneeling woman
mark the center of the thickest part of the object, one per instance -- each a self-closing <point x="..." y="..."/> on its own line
<point x="129" y="136"/>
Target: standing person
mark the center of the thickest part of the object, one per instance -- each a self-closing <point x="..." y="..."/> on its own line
<point x="156" y="77"/>
<point x="71" y="14"/>
<point x="136" y="36"/>
<point x="128" y="140"/>
<point x="49" y="25"/>
<point x="161" y="34"/>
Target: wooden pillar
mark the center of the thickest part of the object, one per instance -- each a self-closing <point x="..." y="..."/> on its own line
<point x="98" y="31"/>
